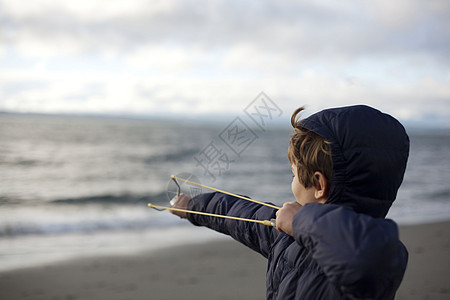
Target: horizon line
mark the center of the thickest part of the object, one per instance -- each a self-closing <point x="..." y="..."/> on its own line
<point x="415" y="125"/>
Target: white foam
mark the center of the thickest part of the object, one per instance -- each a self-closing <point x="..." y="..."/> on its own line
<point x="33" y="251"/>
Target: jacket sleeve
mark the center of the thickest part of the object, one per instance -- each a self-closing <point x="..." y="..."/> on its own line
<point x="254" y="235"/>
<point x="361" y="255"/>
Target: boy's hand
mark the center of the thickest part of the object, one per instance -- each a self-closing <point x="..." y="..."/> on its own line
<point x="180" y="202"/>
<point x="285" y="216"/>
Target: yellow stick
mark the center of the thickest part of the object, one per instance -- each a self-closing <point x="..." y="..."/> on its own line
<point x="264" y="222"/>
<point x="224" y="192"/>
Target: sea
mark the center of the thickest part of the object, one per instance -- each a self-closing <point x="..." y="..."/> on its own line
<point x="79" y="186"/>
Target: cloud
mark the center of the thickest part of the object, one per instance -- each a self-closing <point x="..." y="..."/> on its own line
<point x="173" y="56"/>
<point x="306" y="28"/>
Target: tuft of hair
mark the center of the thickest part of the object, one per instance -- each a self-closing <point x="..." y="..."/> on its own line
<point x="309" y="151"/>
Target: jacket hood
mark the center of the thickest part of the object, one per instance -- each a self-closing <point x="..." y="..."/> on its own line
<point x="370" y="150"/>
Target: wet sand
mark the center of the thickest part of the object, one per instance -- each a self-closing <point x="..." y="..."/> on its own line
<point x="221" y="269"/>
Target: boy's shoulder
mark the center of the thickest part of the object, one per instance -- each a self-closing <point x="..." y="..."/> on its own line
<point x="332" y="220"/>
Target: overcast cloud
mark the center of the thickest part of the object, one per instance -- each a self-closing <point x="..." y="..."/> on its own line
<point x="213" y="57"/>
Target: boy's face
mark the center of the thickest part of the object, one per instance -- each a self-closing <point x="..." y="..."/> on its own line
<point x="302" y="195"/>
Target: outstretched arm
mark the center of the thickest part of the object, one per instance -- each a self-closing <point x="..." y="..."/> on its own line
<point x="256" y="236"/>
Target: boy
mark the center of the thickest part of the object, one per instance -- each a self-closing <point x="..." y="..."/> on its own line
<point x="333" y="242"/>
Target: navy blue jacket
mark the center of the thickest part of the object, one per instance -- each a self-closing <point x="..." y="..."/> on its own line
<point x="345" y="248"/>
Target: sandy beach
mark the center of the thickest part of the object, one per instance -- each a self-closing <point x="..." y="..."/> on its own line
<point x="221" y="269"/>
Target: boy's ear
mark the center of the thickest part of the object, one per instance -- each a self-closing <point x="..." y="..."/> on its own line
<point x="321" y="187"/>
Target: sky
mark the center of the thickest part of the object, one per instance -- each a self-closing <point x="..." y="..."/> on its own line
<point x="212" y="58"/>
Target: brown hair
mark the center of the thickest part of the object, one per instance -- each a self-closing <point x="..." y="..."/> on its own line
<point x="309" y="152"/>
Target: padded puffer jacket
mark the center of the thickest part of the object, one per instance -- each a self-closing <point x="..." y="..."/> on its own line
<point x="345" y="248"/>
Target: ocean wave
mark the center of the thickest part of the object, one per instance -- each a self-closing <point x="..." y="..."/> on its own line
<point x="177" y="156"/>
<point x="115" y="199"/>
<point x="442" y="195"/>
<point x="5" y="200"/>
<point x="62" y="221"/>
